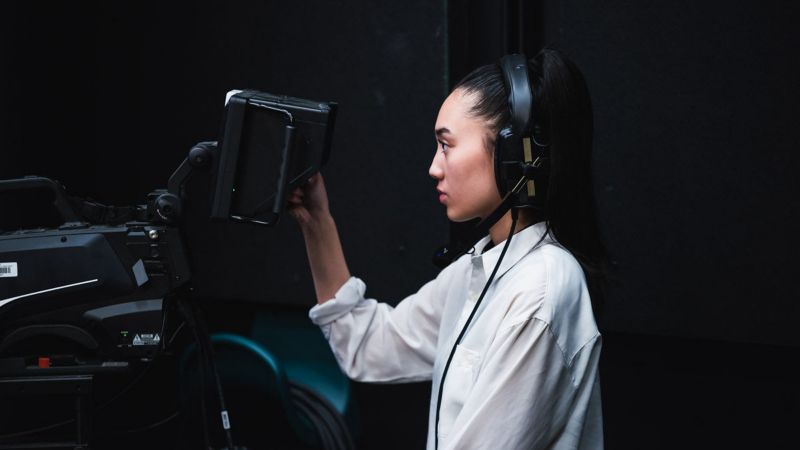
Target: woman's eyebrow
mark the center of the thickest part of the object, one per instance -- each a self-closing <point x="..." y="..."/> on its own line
<point x="442" y="131"/>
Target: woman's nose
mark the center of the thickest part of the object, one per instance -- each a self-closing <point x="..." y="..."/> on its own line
<point x="435" y="170"/>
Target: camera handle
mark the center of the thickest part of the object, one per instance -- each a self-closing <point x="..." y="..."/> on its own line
<point x="277" y="203"/>
<point x="283" y="178"/>
<point x="60" y="201"/>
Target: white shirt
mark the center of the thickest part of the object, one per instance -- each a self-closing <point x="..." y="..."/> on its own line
<point x="525" y="375"/>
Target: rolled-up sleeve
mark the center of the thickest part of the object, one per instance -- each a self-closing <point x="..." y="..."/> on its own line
<point x="376" y="342"/>
<point x="345" y="299"/>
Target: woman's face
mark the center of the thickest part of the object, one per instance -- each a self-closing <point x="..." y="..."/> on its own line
<point x="462" y="165"/>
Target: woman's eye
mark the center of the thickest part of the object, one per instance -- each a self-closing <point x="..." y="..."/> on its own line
<point x="444" y="146"/>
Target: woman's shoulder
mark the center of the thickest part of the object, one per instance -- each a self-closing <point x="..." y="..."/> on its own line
<point x="565" y="302"/>
<point x="555" y="267"/>
<point x="565" y="276"/>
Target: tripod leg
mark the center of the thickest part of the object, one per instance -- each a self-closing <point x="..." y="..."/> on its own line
<point x="83" y="418"/>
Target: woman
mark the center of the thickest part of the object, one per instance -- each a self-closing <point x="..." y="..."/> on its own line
<point x="523" y="373"/>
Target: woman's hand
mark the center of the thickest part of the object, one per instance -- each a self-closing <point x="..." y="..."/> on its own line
<point x="308" y="204"/>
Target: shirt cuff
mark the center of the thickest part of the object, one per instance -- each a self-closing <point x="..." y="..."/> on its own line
<point x="346" y="298"/>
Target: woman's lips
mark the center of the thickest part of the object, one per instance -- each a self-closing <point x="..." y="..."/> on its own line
<point x="442" y="196"/>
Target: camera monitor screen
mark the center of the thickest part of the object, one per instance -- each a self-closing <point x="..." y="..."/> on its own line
<point x="270" y="145"/>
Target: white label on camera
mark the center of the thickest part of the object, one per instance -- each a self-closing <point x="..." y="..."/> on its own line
<point x="8" y="269"/>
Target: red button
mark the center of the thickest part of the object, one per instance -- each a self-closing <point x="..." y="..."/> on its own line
<point x="44" y="362"/>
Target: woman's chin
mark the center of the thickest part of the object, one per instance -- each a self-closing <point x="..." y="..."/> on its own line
<point x="455" y="216"/>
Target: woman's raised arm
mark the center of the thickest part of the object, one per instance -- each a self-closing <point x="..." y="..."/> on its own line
<point x="309" y="206"/>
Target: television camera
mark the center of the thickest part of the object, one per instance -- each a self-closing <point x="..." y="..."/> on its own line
<point x="90" y="291"/>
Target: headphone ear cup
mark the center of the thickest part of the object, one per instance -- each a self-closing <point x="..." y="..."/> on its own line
<point x="507" y="158"/>
<point x="499" y="150"/>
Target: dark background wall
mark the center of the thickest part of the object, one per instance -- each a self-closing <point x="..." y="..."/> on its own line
<point x="695" y="156"/>
<point x="696" y="149"/>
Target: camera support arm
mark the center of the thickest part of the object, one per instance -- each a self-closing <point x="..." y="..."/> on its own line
<point x="168" y="205"/>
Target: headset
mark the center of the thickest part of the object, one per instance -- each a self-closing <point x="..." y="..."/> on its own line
<point x="522" y="165"/>
<point x="521" y="160"/>
<point x="520" y="157"/>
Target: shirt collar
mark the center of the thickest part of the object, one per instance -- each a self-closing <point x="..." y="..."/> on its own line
<point x="522" y="242"/>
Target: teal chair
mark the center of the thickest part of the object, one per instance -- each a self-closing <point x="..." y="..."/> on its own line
<point x="267" y="409"/>
<point x="306" y="357"/>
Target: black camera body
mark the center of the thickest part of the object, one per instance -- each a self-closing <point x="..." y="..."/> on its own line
<point x="91" y="291"/>
<point x="94" y="286"/>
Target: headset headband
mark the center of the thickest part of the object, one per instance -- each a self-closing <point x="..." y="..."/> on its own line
<point x="520" y="97"/>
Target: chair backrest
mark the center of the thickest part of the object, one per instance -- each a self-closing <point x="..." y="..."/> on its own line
<point x="256" y="395"/>
<point x="304" y="353"/>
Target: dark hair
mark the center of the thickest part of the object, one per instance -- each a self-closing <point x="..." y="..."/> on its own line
<point x="563" y="110"/>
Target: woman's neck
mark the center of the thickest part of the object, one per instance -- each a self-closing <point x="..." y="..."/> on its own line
<point x="499" y="231"/>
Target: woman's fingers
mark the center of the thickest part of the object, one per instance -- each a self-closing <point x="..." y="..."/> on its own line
<point x="308" y="201"/>
<point x="296" y="197"/>
<point x="300" y="214"/>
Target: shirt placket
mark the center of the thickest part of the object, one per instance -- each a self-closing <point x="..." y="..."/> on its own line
<point x="477" y="280"/>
